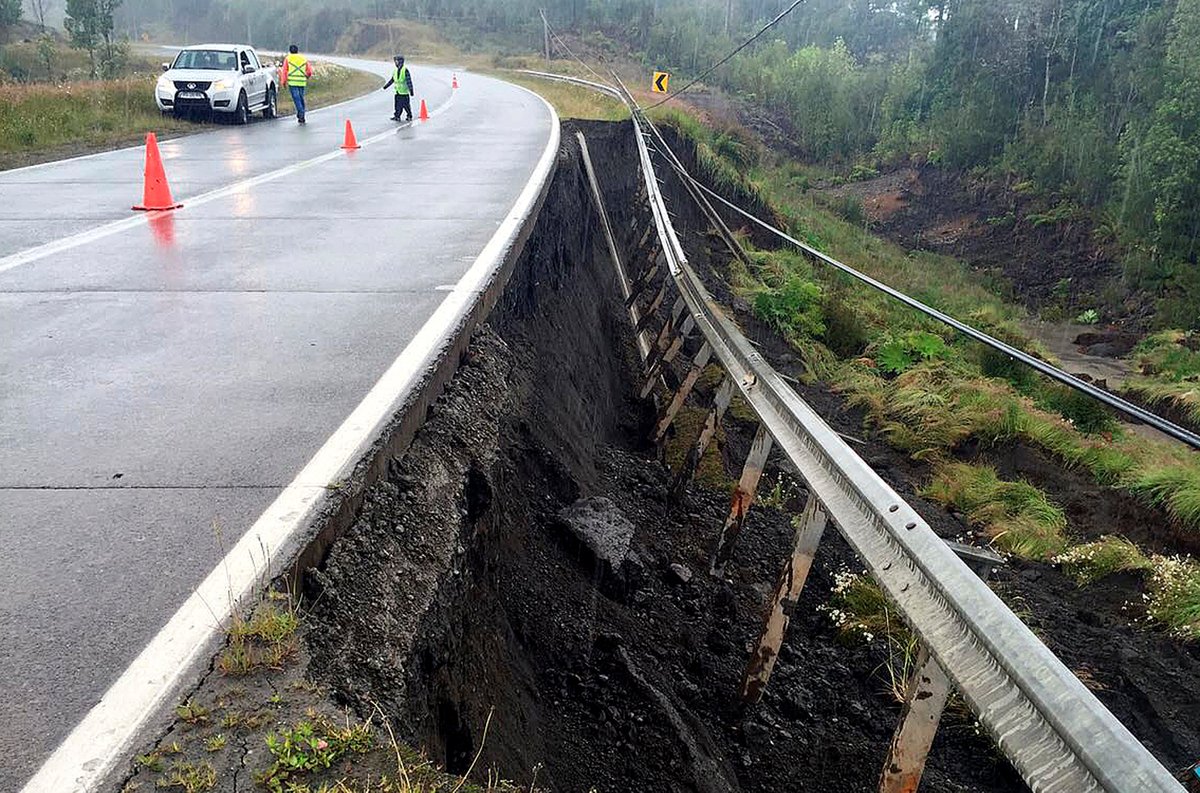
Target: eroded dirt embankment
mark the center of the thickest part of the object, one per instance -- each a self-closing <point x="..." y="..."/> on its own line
<point x="522" y="587"/>
<point x="463" y="595"/>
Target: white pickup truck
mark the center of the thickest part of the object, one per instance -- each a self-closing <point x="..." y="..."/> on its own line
<point x="218" y="78"/>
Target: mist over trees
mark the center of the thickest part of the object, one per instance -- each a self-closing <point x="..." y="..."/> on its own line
<point x="1095" y="103"/>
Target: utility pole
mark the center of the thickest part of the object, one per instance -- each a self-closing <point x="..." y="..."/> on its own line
<point x="728" y="14"/>
<point x="545" y="33"/>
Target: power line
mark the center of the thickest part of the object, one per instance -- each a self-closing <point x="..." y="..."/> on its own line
<point x="729" y="57"/>
<point x="563" y="44"/>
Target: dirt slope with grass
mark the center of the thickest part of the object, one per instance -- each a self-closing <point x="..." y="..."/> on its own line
<point x="1051" y="252"/>
<point x="1103" y="630"/>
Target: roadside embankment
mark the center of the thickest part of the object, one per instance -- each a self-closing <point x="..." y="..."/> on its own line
<point x="522" y="598"/>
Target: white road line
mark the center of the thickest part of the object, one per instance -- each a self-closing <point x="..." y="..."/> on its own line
<point x="100" y="232"/>
<point x="104" y="737"/>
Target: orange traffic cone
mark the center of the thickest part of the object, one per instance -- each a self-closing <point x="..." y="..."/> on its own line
<point x="424" y="111"/>
<point x="351" y="141"/>
<point x="156" y="193"/>
<point x="454" y="82"/>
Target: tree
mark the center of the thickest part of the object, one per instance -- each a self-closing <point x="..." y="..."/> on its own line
<point x="90" y="25"/>
<point x="10" y="13"/>
<point x="39" y="8"/>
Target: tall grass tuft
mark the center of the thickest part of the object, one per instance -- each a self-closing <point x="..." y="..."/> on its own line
<point x="1018" y="517"/>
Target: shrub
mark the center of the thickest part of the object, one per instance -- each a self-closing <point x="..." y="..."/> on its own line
<point x="793" y="309"/>
<point x="1092" y="561"/>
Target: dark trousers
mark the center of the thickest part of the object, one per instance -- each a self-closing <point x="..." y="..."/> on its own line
<point x="297" y="92"/>
<point x="403" y="105"/>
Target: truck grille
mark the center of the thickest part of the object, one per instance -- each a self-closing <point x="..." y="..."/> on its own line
<point x="191" y="85"/>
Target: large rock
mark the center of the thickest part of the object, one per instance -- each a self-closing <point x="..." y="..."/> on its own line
<point x="601" y="526"/>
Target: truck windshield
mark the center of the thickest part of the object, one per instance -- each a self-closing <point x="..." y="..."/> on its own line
<point x="214" y="60"/>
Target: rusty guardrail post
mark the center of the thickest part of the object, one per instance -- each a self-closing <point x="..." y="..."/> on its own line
<point x="681" y="394"/>
<point x="925" y="699"/>
<point x="720" y="403"/>
<point x="809" y="529"/>
<point x="743" y="497"/>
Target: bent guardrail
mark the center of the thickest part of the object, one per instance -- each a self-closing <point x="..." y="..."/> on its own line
<point x="1052" y="729"/>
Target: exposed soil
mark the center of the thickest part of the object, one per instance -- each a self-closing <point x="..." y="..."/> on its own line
<point x="595" y="676"/>
<point x="466" y="608"/>
<point x="1061" y="265"/>
<point x="1096" y="623"/>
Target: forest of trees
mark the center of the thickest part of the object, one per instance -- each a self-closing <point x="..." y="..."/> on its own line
<point x="1095" y="103"/>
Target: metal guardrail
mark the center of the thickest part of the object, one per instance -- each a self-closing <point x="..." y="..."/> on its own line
<point x="1052" y="729"/>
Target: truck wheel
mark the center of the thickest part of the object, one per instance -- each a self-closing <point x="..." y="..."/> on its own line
<point x="241" y="115"/>
<point x="272" y="108"/>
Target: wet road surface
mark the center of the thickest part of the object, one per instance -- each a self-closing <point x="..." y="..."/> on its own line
<point x="161" y="380"/>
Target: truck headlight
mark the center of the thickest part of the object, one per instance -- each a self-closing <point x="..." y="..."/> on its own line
<point x="222" y="85"/>
<point x="165" y="85"/>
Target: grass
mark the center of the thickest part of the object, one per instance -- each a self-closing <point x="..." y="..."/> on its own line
<point x="267" y="640"/>
<point x="43" y="121"/>
<point x="1018" y="517"/>
<point x="861" y="611"/>
<point x="1168" y="372"/>
<point x="571" y="101"/>
<point x="1088" y="563"/>
<point x="188" y="777"/>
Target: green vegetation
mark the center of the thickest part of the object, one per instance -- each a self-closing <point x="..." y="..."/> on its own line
<point x="309" y="746"/>
<point x="1174" y="596"/>
<point x="1088" y="563"/>
<point x="91" y="26"/>
<point x="265" y="641"/>
<point x="189" y="777"/>
<point x="1168" y="366"/>
<point x="191" y="712"/>
<point x="1017" y="516"/>
<point x="862" y="612"/>
<point x="41" y="121"/>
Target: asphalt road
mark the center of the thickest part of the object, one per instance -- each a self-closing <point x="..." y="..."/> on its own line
<point x="161" y="382"/>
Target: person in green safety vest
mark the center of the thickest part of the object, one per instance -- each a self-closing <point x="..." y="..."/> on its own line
<point x="296" y="71"/>
<point x="402" y="79"/>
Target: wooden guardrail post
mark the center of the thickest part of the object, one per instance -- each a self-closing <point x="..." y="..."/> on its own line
<point x="743" y="497"/>
<point x="681" y="394"/>
<point x="720" y="403"/>
<point x="925" y="699"/>
<point x="810" y="526"/>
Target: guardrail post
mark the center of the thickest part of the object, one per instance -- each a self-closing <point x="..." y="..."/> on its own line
<point x="809" y="528"/>
<point x="681" y="394"/>
<point x="924" y="700"/>
<point x="662" y="358"/>
<point x="743" y="497"/>
<point x="652" y="309"/>
<point x="662" y="340"/>
<point x="720" y="403"/>
<point x="645" y="277"/>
